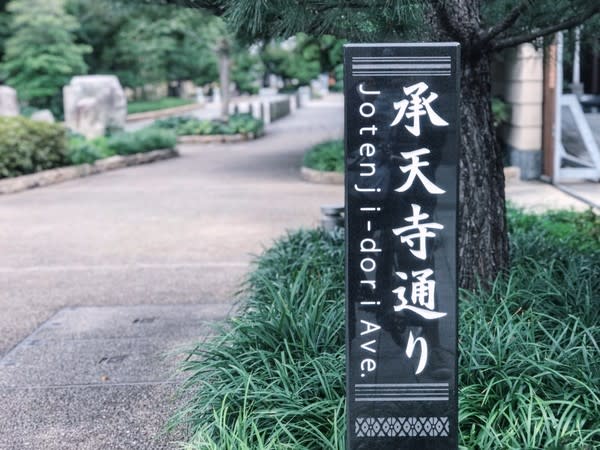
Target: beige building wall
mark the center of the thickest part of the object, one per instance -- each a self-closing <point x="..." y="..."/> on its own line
<point x="518" y="78"/>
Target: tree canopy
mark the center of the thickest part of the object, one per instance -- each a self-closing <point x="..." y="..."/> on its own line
<point x="482" y="29"/>
<point x="40" y="54"/>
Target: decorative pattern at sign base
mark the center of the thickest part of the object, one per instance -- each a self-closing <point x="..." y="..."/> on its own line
<point x="402" y="427"/>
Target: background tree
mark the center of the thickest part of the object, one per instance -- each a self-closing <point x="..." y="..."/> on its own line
<point x="41" y="55"/>
<point x="303" y="58"/>
<point x="246" y="68"/>
<point x="4" y="26"/>
<point x="148" y="44"/>
<point x="482" y="29"/>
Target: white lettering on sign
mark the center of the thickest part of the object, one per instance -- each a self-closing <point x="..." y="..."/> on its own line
<point x="417" y="231"/>
<point x="417" y="107"/>
<point x="368" y="246"/>
<point x="414" y="171"/>
<point x="422" y="295"/>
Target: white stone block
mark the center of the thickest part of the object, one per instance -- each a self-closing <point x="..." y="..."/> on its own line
<point x="98" y="98"/>
<point x="526" y="115"/>
<point x="531" y="92"/>
<point x="43" y="115"/>
<point x="523" y="138"/>
<point x="9" y="104"/>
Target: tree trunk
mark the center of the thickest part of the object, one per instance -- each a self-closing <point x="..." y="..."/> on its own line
<point x="224" y="66"/>
<point x="483" y="242"/>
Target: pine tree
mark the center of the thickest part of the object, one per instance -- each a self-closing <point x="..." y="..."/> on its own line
<point x="482" y="28"/>
<point x="41" y="56"/>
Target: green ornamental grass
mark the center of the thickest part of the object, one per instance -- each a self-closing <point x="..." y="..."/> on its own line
<point x="191" y="126"/>
<point x="529" y="366"/>
<point x="155" y="105"/>
<point x="28" y="146"/>
<point x="327" y="156"/>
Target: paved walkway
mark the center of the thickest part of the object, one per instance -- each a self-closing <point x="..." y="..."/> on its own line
<point x="100" y="276"/>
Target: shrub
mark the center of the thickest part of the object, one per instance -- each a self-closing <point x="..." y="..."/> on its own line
<point x="529" y="351"/>
<point x="141" y="141"/>
<point x="27" y="146"/>
<point x="171" y="123"/>
<point x="201" y="127"/>
<point x="327" y="156"/>
<point x="191" y="126"/>
<point x="154" y="105"/>
<point x="245" y="124"/>
<point x="275" y="377"/>
<point x="82" y="150"/>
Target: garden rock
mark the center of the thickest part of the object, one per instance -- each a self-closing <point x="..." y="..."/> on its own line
<point x="94" y="103"/>
<point x="9" y="106"/>
<point x="43" y="115"/>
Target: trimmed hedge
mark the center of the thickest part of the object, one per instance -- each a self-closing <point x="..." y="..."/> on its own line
<point x="327" y="156"/>
<point x="27" y="146"/>
<point x="272" y="378"/>
<point x="191" y="126"/>
<point x="144" y="140"/>
<point x="157" y="105"/>
<point x="82" y="150"/>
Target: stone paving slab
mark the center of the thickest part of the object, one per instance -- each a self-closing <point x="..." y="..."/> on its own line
<point x="115" y="417"/>
<point x="43" y="290"/>
<point x="131" y="322"/>
<point x="100" y="377"/>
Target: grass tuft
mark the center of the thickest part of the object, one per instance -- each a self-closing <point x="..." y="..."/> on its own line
<point x="327" y="156"/>
<point x="529" y="366"/>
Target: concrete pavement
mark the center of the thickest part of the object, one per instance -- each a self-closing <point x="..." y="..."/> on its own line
<point x="127" y="251"/>
<point x="101" y="276"/>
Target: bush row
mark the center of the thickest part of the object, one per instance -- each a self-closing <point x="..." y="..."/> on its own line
<point x="28" y="146"/>
<point x="82" y="150"/>
<point x="529" y="349"/>
<point x="237" y="124"/>
<point x="327" y="156"/>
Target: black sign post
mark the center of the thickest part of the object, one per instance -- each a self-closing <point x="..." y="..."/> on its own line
<point x="402" y="153"/>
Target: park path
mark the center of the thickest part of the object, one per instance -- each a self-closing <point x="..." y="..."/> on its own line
<point x="102" y="276"/>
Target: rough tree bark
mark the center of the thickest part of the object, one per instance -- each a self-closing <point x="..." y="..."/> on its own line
<point x="483" y="237"/>
<point x="483" y="242"/>
<point x="223" y="51"/>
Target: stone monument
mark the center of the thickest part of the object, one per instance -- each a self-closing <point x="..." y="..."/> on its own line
<point x="9" y="106"/>
<point x="43" y="115"/>
<point x="402" y="153"/>
<point x="94" y="103"/>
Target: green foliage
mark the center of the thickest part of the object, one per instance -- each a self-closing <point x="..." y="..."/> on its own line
<point x="371" y="20"/>
<point x="141" y="141"/>
<point x="290" y="65"/>
<point x="500" y="112"/>
<point x="188" y="126"/>
<point x="27" y="146"/>
<point x="275" y="377"/>
<point x="529" y="350"/>
<point x="404" y="20"/>
<point x="246" y="70"/>
<point x="327" y="156"/>
<point x="154" y="105"/>
<point x="81" y="150"/>
<point x="41" y="56"/>
<point x="172" y="123"/>
<point x="338" y="74"/>
<point x="245" y="124"/>
<point x="569" y="229"/>
<point x="4" y="26"/>
<point x="144" y="44"/>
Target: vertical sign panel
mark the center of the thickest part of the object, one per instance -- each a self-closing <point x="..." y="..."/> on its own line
<point x="402" y="152"/>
